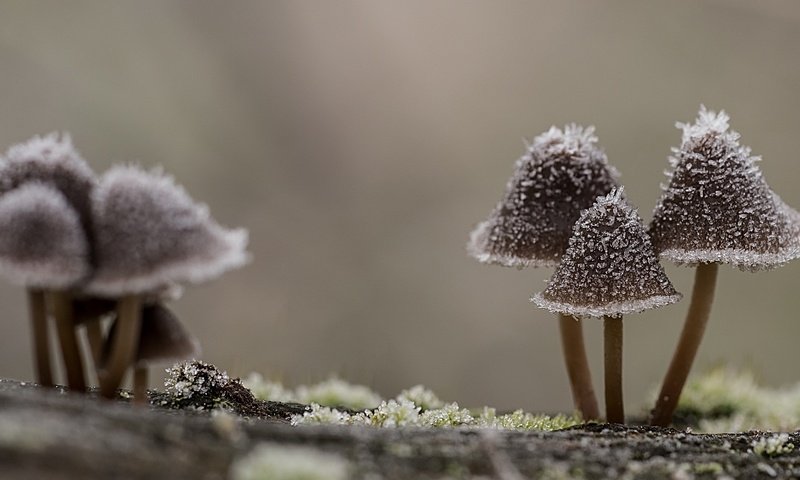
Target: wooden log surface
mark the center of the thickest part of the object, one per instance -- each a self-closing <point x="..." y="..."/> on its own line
<point x="53" y="434"/>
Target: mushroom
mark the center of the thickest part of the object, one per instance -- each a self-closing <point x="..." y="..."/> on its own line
<point x="149" y="236"/>
<point x="53" y="161"/>
<point x="163" y="339"/>
<point x="43" y="248"/>
<point x="609" y="270"/>
<point x="561" y="174"/>
<point x="716" y="209"/>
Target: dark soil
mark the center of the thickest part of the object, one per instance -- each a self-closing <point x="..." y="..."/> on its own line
<point x="48" y="433"/>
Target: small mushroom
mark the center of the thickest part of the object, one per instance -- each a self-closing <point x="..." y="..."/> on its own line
<point x="716" y="209"/>
<point x="609" y="270"/>
<point x="150" y="235"/>
<point x="163" y="339"/>
<point x="561" y="174"/>
<point x="52" y="160"/>
<point x="43" y="248"/>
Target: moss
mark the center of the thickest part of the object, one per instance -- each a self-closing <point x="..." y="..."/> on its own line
<point x="773" y="446"/>
<point x="708" y="468"/>
<point x="269" y="461"/>
<point x="332" y="392"/>
<point x="520" y="420"/>
<point x="728" y="400"/>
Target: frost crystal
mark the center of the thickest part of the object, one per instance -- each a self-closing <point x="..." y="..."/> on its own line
<point x="194" y="379"/>
<point x="559" y="176"/>
<point x="609" y="268"/>
<point x="43" y="244"/>
<point x="150" y="233"/>
<point x="718" y="207"/>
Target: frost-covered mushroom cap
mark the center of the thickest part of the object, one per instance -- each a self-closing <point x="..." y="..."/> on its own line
<point x="52" y="160"/>
<point x="560" y="175"/>
<point x="610" y="268"/>
<point x="163" y="338"/>
<point x="718" y="207"/>
<point x="42" y="242"/>
<point x="149" y="234"/>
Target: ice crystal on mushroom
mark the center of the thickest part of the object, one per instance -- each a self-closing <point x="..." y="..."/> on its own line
<point x="718" y="207"/>
<point x="609" y="268"/>
<point x="561" y="174"/>
<point x="43" y="244"/>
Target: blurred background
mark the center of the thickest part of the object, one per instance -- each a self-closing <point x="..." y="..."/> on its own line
<point x="360" y="141"/>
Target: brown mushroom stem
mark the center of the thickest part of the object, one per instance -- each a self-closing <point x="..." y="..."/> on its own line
<point x="580" y="376"/>
<point x="612" y="334"/>
<point x="123" y="344"/>
<point x="94" y="334"/>
<point x="705" y="279"/>
<point x="41" y="337"/>
<point x="140" y="385"/>
<point x="61" y="303"/>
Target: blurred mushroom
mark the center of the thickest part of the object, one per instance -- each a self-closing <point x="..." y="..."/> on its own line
<point x="163" y="339"/>
<point x="43" y="248"/>
<point x="716" y="209"/>
<point x="52" y="160"/>
<point x="561" y="174"/>
<point x="609" y="270"/>
<point x="150" y="235"/>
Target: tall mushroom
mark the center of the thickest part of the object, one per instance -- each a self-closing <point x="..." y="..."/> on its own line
<point x="149" y="234"/>
<point x="43" y="248"/>
<point x="560" y="175"/>
<point x="53" y="161"/>
<point x="609" y="270"/>
<point x="716" y="209"/>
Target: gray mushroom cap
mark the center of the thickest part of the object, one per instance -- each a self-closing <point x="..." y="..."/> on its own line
<point x="149" y="234"/>
<point x="52" y="160"/>
<point x="43" y="244"/>
<point x="610" y="268"/>
<point x="560" y="175"/>
<point x="162" y="338"/>
<point x="717" y="207"/>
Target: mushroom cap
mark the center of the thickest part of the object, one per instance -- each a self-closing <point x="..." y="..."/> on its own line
<point x="52" y="160"/>
<point x="162" y="338"/>
<point x="561" y="174"/>
<point x="717" y="207"/>
<point x="610" y="268"/>
<point x="149" y="234"/>
<point x="43" y="244"/>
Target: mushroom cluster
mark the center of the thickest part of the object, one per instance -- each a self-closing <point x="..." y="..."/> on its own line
<point x="104" y="253"/>
<point x="560" y="175"/>
<point x="717" y="208"/>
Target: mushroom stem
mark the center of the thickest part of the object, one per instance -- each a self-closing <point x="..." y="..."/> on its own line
<point x="580" y="376"/>
<point x="94" y="334"/>
<point x="64" y="314"/>
<point x="41" y="337"/>
<point x="705" y="279"/>
<point x="140" y="385"/>
<point x="123" y="345"/>
<point x="612" y="333"/>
